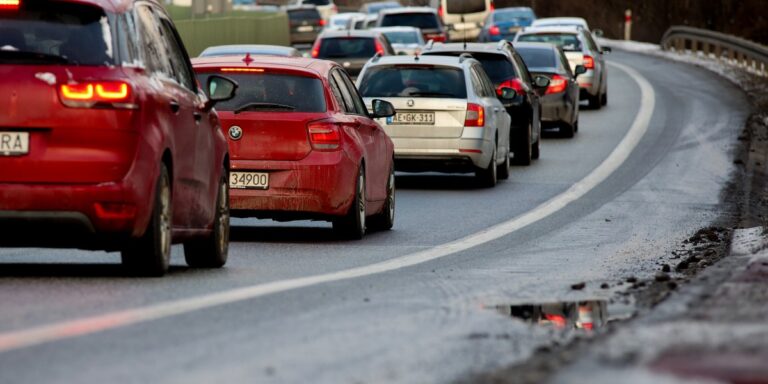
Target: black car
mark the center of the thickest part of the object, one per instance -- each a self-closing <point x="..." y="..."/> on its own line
<point x="560" y="99"/>
<point x="424" y="18"/>
<point x="506" y="68"/>
<point x="351" y="49"/>
<point x="305" y="24"/>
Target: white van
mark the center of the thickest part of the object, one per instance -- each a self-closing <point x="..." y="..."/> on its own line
<point x="474" y="12"/>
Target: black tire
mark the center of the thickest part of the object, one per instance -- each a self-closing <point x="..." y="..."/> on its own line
<point x="536" y="151"/>
<point x="212" y="251"/>
<point x="150" y="255"/>
<point x="385" y="220"/>
<point x="604" y="100"/>
<point x="487" y="177"/>
<point x="523" y="150"/>
<point x="568" y="130"/>
<point x="595" y="102"/>
<point x="503" y="170"/>
<point x="352" y="225"/>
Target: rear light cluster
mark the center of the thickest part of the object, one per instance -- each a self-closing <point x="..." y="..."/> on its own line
<point x="494" y="30"/>
<point x="557" y="84"/>
<point x="475" y="116"/>
<point x="515" y="84"/>
<point x="316" y="49"/>
<point x="324" y="135"/>
<point x="379" y="47"/>
<point x="589" y="62"/>
<point x="102" y="94"/>
<point x="9" y="4"/>
<point x="436" y="37"/>
<point x="321" y="23"/>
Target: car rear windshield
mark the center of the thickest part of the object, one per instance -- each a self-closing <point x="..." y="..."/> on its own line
<point x="516" y="15"/>
<point x="567" y="41"/>
<point x="465" y="6"/>
<point x="355" y="47"/>
<point x="55" y="32"/>
<point x="498" y="67"/>
<point x="421" y="20"/>
<point x="403" y="37"/>
<point x="303" y="14"/>
<point x="538" y="57"/>
<point x="274" y="93"/>
<point x="317" y="2"/>
<point x="414" y="81"/>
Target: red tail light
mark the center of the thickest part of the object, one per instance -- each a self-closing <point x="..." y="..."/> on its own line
<point x="556" y="85"/>
<point x="379" y="47"/>
<point x="9" y="4"/>
<point x="440" y="11"/>
<point x="324" y="136"/>
<point x="316" y="49"/>
<point x="494" y="30"/>
<point x="475" y="116"/>
<point x="321" y="23"/>
<point x="493" y="6"/>
<point x="589" y="62"/>
<point x="436" y="37"/>
<point x="115" y="94"/>
<point x="515" y="84"/>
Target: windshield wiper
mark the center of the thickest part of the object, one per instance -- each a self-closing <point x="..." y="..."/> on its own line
<point x="436" y="94"/>
<point x="6" y="54"/>
<point x="257" y="106"/>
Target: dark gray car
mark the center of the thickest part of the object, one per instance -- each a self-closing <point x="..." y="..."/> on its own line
<point x="351" y="49"/>
<point x="305" y="24"/>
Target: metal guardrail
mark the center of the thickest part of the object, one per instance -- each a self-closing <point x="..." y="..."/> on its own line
<point x="734" y="50"/>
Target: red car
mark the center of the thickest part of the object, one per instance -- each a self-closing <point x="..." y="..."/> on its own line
<point x="106" y="141"/>
<point x="303" y="144"/>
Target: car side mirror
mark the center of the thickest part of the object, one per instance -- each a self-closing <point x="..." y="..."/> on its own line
<point x="598" y="32"/>
<point x="541" y="81"/>
<point x="579" y="70"/>
<point x="607" y="50"/>
<point x="507" y="93"/>
<point x="220" y="88"/>
<point x="382" y="108"/>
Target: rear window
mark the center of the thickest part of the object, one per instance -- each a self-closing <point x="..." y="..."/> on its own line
<point x="516" y="15"/>
<point x="403" y="37"/>
<point x="419" y="20"/>
<point x="465" y="6"/>
<point x="414" y="81"/>
<point x="567" y="41"/>
<point x="357" y="47"/>
<point x="538" y="57"/>
<point x="273" y="92"/>
<point x="317" y="2"/>
<point x="303" y="14"/>
<point x="55" y="32"/>
<point x="498" y="67"/>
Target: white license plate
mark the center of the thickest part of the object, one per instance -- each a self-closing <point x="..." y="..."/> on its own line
<point x="14" y="143"/>
<point x="412" y="118"/>
<point x="306" y="28"/>
<point x="249" y="180"/>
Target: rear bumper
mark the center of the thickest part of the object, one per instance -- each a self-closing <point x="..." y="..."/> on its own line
<point x="303" y="37"/>
<point x="588" y="84"/>
<point x="318" y="187"/>
<point x="442" y="154"/>
<point x="470" y="34"/>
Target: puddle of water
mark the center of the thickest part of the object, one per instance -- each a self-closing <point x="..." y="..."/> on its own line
<point x="587" y="315"/>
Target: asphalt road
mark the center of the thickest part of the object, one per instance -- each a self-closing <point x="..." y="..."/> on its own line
<point x="294" y="304"/>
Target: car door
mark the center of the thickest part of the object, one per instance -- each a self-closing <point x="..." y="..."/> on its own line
<point x="493" y="108"/>
<point x="531" y="95"/>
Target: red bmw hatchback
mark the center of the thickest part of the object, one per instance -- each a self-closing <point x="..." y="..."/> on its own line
<point x="303" y="144"/>
<point x="106" y="140"/>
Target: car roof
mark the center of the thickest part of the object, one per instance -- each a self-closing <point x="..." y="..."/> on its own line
<point x="553" y="29"/>
<point x="510" y="9"/>
<point x="390" y="11"/>
<point x="348" y="15"/>
<point x="238" y="48"/>
<point x="113" y="6"/>
<point x="555" y="20"/>
<point x="448" y="61"/>
<point x="298" y="64"/>
<point x="469" y="47"/>
<point x="349" y="33"/>
<point x="397" y="29"/>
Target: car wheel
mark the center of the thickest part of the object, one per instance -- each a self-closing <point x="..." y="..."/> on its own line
<point x="352" y="225"/>
<point x="595" y="102"/>
<point x="604" y="100"/>
<point x="150" y="255"/>
<point x="211" y="251"/>
<point x="536" y="151"/>
<point x="523" y="148"/>
<point x="503" y="169"/>
<point x="568" y="130"/>
<point x="385" y="220"/>
<point x="487" y="177"/>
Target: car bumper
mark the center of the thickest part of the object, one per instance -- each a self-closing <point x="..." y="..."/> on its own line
<point x="470" y="34"/>
<point x="556" y="108"/>
<point x="588" y="84"/>
<point x="304" y="37"/>
<point x="320" y="186"/>
<point x="442" y="154"/>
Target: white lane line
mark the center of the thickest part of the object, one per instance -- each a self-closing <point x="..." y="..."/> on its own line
<point x="89" y="325"/>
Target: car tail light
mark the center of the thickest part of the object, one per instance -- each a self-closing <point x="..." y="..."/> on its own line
<point x="493" y="6"/>
<point x="515" y="84"/>
<point x="115" y="211"/>
<point x="475" y="115"/>
<point x="436" y="37"/>
<point x="494" y="30"/>
<point x="110" y="94"/>
<point x="589" y="62"/>
<point x="379" y="47"/>
<point x="316" y="49"/>
<point x="10" y="4"/>
<point x="324" y="135"/>
<point x="440" y="12"/>
<point x="556" y="85"/>
<point x="321" y="23"/>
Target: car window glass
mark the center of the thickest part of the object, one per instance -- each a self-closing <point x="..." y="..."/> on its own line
<point x="356" y="99"/>
<point x="280" y="92"/>
<point x="349" y="104"/>
<point x="414" y="81"/>
<point x="521" y="68"/>
<point x="423" y="20"/>
<point x="154" y="51"/>
<point x="127" y="39"/>
<point x="487" y="85"/>
<point x="336" y="90"/>
<point x="590" y="42"/>
<point x="178" y="56"/>
<point x="477" y="84"/>
<point x="563" y="64"/>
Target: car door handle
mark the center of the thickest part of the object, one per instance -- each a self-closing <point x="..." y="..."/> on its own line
<point x="175" y="107"/>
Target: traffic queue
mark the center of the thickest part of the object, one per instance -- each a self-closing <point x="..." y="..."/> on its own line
<point x="132" y="147"/>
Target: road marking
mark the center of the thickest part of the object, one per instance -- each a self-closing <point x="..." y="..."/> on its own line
<point x="90" y="325"/>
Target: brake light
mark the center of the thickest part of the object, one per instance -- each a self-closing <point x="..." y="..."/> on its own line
<point x="324" y="136"/>
<point x="494" y="30"/>
<point x="316" y="49"/>
<point x="321" y="23"/>
<point x="379" y="48"/>
<point x="248" y="70"/>
<point x="114" y="94"/>
<point x="589" y="62"/>
<point x="475" y="115"/>
<point x="440" y="11"/>
<point x="10" y="4"/>
<point x="436" y="37"/>
<point x="493" y="6"/>
<point x="556" y="85"/>
<point x="515" y="84"/>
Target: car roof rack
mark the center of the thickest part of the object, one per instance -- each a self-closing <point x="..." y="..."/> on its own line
<point x="503" y="43"/>
<point x="465" y="56"/>
<point x="376" y="57"/>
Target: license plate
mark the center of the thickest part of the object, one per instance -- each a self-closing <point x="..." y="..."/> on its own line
<point x="14" y="143"/>
<point x="306" y="28"/>
<point x="249" y="180"/>
<point x="412" y="118"/>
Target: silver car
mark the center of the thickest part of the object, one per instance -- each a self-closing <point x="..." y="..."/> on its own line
<point x="404" y="40"/>
<point x="448" y="119"/>
<point x="580" y="49"/>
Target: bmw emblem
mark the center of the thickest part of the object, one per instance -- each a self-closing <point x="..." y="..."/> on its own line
<point x="235" y="132"/>
<point x="411" y="103"/>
